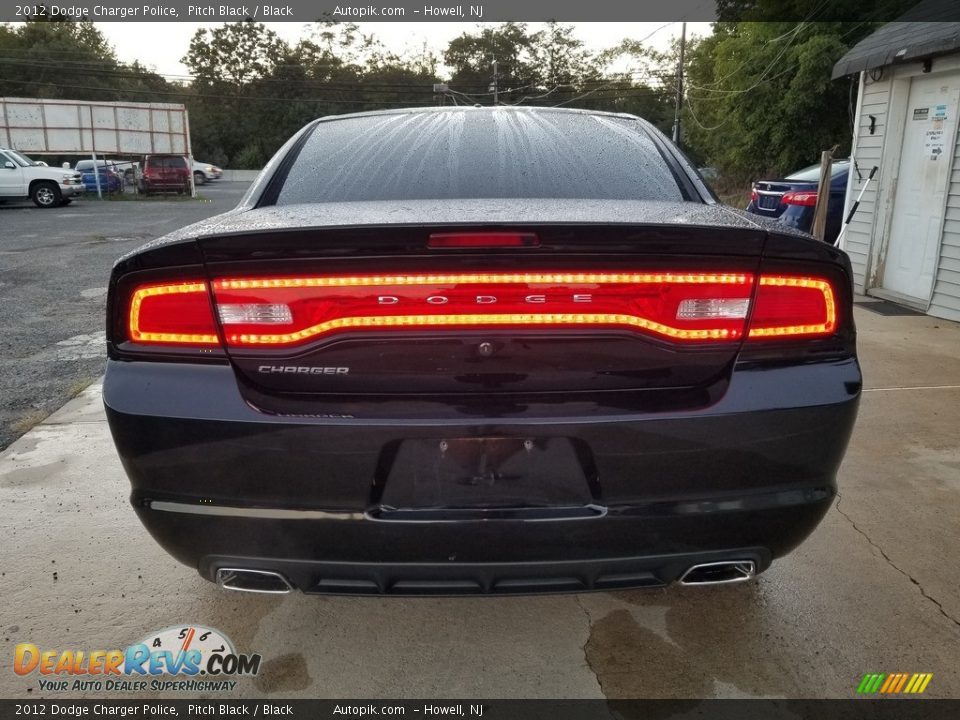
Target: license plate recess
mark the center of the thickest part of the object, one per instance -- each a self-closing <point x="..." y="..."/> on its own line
<point x="467" y="474"/>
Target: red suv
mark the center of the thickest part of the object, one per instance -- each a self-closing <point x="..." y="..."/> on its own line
<point x="165" y="172"/>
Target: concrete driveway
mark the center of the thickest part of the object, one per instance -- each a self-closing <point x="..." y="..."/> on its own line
<point x="875" y="589"/>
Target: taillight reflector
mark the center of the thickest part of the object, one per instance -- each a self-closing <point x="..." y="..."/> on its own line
<point x="172" y="314"/>
<point x="289" y="311"/>
<point x="793" y="306"/>
<point x="800" y="198"/>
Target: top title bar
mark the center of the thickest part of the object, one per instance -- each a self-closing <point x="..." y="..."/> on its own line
<point x="471" y="12"/>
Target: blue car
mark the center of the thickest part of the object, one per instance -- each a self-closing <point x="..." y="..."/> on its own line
<point x="793" y="200"/>
<point x="110" y="179"/>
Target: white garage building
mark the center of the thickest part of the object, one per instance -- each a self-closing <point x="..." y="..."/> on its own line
<point x="904" y="241"/>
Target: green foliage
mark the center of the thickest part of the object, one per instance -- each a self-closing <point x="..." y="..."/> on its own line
<point x="759" y="96"/>
<point x="250" y="157"/>
<point x="63" y="59"/>
<point x="234" y="53"/>
<point x="731" y="12"/>
<point x="471" y="57"/>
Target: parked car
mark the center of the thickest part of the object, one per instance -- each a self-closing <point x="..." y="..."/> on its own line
<point x="160" y="173"/>
<point x="21" y="177"/>
<point x="126" y="169"/>
<point x="110" y="175"/>
<point x="556" y="364"/>
<point x="793" y="200"/>
<point x="204" y="172"/>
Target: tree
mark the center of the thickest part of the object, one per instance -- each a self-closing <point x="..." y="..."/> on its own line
<point x="471" y="57"/>
<point x="561" y="57"/>
<point x="759" y="96"/>
<point x="65" y="59"/>
<point x="644" y="85"/>
<point x="235" y="52"/>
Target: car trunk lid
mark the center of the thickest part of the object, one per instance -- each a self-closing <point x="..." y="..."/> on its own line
<point x="381" y="310"/>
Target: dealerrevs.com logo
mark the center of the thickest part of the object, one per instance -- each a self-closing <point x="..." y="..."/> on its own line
<point x="203" y="657"/>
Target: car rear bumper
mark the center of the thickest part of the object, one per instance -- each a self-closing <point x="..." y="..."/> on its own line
<point x="177" y="183"/>
<point x="219" y="484"/>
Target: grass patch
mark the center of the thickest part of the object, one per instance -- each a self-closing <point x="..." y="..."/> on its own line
<point x="28" y="421"/>
<point x="78" y="386"/>
<point x="738" y="199"/>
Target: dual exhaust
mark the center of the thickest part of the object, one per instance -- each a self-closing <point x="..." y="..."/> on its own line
<point x="719" y="573"/>
<point x="273" y="583"/>
<point x="256" y="581"/>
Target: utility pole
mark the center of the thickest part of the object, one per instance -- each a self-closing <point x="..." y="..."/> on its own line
<point x="676" y="114"/>
<point x="495" y="86"/>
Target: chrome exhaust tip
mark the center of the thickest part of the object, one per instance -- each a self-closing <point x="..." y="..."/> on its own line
<point x="719" y="573"/>
<point x="255" y="581"/>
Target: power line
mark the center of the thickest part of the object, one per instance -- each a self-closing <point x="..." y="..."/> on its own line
<point x="580" y="97"/>
<point x="328" y="101"/>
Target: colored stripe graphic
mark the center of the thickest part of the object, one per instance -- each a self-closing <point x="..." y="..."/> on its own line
<point x="894" y="683"/>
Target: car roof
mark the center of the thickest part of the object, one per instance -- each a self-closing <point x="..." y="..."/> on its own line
<point x="435" y="109"/>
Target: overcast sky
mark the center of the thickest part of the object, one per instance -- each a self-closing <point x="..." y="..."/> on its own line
<point x="161" y="45"/>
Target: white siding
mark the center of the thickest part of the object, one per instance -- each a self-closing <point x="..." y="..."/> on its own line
<point x="864" y="240"/>
<point x="945" y="302"/>
<point x="867" y="153"/>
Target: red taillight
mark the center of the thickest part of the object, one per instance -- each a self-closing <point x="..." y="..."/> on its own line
<point x="788" y="307"/>
<point x="481" y="240"/>
<point x="290" y="311"/>
<point x="754" y="197"/>
<point x="800" y="197"/>
<point x="678" y="306"/>
<point x="172" y="314"/>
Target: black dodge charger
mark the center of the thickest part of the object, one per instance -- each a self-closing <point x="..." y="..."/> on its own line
<point x="480" y="350"/>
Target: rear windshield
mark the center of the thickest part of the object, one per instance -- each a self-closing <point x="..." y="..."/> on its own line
<point x="812" y="173"/>
<point x="482" y="154"/>
<point x="160" y="161"/>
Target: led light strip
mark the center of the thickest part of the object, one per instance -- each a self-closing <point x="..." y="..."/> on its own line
<point x="381" y="321"/>
<point x="484" y="278"/>
<point x="141" y="294"/>
<point x="511" y="319"/>
<point x="824" y="328"/>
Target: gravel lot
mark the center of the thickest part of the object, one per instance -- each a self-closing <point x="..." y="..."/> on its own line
<point x="54" y="267"/>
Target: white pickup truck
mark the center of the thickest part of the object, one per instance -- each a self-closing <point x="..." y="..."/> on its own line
<point x="21" y="178"/>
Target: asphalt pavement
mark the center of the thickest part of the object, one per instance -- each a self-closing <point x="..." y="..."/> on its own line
<point x="54" y="268"/>
<point x="873" y="590"/>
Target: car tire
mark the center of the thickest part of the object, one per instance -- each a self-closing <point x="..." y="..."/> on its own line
<point x="199" y="178"/>
<point x="45" y="195"/>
